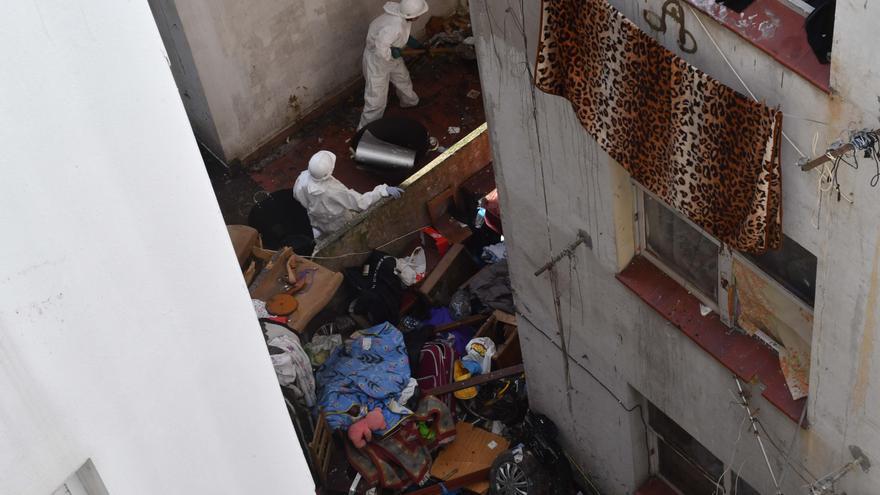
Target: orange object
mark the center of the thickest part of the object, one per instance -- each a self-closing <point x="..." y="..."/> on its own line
<point x="281" y="304"/>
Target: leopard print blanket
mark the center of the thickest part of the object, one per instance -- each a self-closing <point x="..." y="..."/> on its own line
<point x="697" y="144"/>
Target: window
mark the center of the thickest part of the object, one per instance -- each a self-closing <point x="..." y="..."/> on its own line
<point x="685" y="249"/>
<point x="681" y="460"/>
<point x="797" y="33"/>
<point x="685" y="463"/>
<point x="770" y="296"/>
<point x="740" y="487"/>
<point x="792" y="266"/>
<point x="697" y="260"/>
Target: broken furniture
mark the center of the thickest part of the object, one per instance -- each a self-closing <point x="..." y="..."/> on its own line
<point x="249" y="250"/>
<point x="320" y="448"/>
<point x="453" y="269"/>
<point x="501" y="328"/>
<point x="319" y="287"/>
<point x="473" y="451"/>
<point x="440" y="210"/>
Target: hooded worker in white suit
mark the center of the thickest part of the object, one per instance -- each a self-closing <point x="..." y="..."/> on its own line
<point x="330" y="203"/>
<point x="383" y="59"/>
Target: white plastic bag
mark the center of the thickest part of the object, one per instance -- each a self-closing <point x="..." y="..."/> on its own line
<point x="411" y="269"/>
<point x="480" y="350"/>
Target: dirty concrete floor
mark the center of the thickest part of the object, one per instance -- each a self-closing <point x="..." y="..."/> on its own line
<point x="443" y="84"/>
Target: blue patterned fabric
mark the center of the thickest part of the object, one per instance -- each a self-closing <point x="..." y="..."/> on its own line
<point x="368" y="372"/>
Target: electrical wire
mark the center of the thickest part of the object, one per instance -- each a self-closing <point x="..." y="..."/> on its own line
<point x="718" y="485"/>
<point x="754" y="421"/>
<point x="628" y="409"/>
<point x="787" y="459"/>
<point x="392" y="241"/>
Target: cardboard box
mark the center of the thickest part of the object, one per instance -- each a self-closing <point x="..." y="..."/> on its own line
<point x="473" y="449"/>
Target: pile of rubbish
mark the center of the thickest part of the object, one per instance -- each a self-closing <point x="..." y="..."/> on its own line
<point x="405" y="372"/>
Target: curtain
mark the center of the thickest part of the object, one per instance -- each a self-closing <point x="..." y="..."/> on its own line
<point x="706" y="150"/>
<point x="761" y="305"/>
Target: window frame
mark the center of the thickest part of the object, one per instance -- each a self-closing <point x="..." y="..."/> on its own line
<point x="730" y="475"/>
<point x="721" y="307"/>
<point x="726" y="305"/>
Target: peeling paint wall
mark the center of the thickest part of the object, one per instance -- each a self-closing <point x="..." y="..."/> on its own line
<point x="127" y="334"/>
<point x="555" y="180"/>
<point x="260" y="66"/>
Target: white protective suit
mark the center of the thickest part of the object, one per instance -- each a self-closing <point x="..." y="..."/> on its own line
<point x="391" y="29"/>
<point x="330" y="203"/>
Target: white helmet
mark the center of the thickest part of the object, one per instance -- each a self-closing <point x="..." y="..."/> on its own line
<point x="408" y="9"/>
<point x="321" y="165"/>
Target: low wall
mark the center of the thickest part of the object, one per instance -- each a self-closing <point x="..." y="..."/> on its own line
<point x="392" y="218"/>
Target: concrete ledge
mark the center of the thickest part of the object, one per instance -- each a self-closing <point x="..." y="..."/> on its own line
<point x="390" y="218"/>
<point x="743" y="355"/>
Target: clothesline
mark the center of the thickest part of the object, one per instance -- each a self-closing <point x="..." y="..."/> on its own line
<point x="723" y="56"/>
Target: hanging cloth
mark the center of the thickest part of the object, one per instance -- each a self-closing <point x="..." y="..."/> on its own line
<point x="706" y="150"/>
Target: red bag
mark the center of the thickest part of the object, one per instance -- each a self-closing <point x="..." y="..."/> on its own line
<point x="436" y="361"/>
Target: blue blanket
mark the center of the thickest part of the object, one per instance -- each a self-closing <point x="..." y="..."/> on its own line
<point x="368" y="372"/>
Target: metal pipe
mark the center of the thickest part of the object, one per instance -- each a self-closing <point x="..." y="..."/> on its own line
<point x="754" y="422"/>
<point x="372" y="150"/>
<point x="583" y="237"/>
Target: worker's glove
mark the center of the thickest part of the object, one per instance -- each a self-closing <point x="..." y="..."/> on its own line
<point x="414" y="43"/>
<point x="394" y="192"/>
<point x="396" y="52"/>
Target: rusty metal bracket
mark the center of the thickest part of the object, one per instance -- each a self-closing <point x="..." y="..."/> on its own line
<point x="583" y="238"/>
<point x="675" y="11"/>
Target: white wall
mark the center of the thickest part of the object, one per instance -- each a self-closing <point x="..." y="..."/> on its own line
<point x="555" y="179"/>
<point x="263" y="65"/>
<point x="126" y="332"/>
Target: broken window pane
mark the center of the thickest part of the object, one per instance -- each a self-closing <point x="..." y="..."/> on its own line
<point x="684" y="249"/>
<point x="792" y="266"/>
<point x="740" y="487"/>
<point x="683" y="461"/>
<point x="762" y="306"/>
<point x="682" y="472"/>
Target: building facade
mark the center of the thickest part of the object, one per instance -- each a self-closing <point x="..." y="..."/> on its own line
<point x="634" y="343"/>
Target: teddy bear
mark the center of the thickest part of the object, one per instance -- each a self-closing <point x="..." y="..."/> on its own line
<point x="361" y="431"/>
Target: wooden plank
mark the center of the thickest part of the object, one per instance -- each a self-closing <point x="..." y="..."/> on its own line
<point x="454" y="483"/>
<point x="830" y="155"/>
<point x="470" y="320"/>
<point x="503" y="317"/>
<point x="391" y="219"/>
<point x="477" y="380"/>
<point x="454" y="268"/>
<point x="474" y="449"/>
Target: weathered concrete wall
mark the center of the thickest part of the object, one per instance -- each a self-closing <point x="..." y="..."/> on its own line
<point x="127" y="334"/>
<point x="260" y="66"/>
<point x="555" y="180"/>
<point x="183" y="67"/>
<point x="392" y="218"/>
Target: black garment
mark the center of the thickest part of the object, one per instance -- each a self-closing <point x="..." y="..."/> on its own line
<point x="492" y="287"/>
<point x="282" y="221"/>
<point x="820" y="30"/>
<point x="376" y="288"/>
<point x="735" y="5"/>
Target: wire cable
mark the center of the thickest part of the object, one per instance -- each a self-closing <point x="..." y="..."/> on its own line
<point x="787" y="459"/>
<point x="735" y="73"/>
<point x="392" y="241"/>
<point x="628" y="409"/>
<point x="718" y="485"/>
